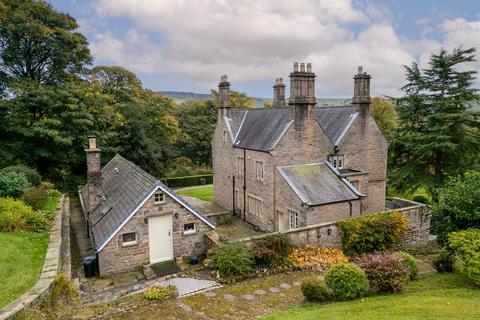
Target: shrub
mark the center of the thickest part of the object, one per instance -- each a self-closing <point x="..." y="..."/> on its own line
<point x="315" y="257"/>
<point x="188" y="181"/>
<point x="458" y="207"/>
<point x="62" y="292"/>
<point x="347" y="281"/>
<point x="410" y="262"/>
<point x="33" y="177"/>
<point x="385" y="271"/>
<point x="421" y="198"/>
<point x="444" y="262"/>
<point x="233" y="260"/>
<point x="159" y="293"/>
<point x="36" y="197"/>
<point x="17" y="216"/>
<point x="13" y="184"/>
<point x="466" y="246"/>
<point x="313" y="290"/>
<point x="272" y="251"/>
<point x="375" y="232"/>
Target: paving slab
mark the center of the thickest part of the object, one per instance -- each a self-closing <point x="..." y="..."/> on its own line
<point x="285" y="286"/>
<point x="248" y="297"/>
<point x="260" y="292"/>
<point x="229" y="297"/>
<point x="274" y="290"/>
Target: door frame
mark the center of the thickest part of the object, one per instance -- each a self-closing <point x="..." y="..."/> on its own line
<point x="170" y="230"/>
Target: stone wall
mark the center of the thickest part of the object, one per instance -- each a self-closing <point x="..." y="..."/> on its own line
<point x="115" y="258"/>
<point x="51" y="266"/>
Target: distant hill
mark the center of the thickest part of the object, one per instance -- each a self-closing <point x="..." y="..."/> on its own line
<point x="181" y="96"/>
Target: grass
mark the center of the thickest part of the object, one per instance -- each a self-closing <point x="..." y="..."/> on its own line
<point x="22" y="255"/>
<point x="203" y="193"/>
<point x="437" y="296"/>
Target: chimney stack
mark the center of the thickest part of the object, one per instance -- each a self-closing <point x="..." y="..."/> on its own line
<point x="361" y="100"/>
<point x="224" y="96"/>
<point x="302" y="99"/>
<point x="94" y="173"/>
<point x="279" y="94"/>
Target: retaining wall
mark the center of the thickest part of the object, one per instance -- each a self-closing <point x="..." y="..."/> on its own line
<point x="51" y="266"/>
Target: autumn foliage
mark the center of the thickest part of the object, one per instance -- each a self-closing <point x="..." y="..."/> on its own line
<point x="315" y="257"/>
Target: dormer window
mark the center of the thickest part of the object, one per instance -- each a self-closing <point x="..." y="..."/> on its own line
<point x="337" y="161"/>
<point x="159" y="198"/>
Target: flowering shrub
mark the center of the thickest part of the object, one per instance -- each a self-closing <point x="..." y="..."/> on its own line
<point x="347" y="281"/>
<point x="386" y="271"/>
<point x="466" y="246"/>
<point x="315" y="257"/>
<point x="374" y="232"/>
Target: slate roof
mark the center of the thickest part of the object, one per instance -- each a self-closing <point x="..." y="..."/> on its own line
<point x="318" y="183"/>
<point x="261" y="129"/>
<point x="125" y="188"/>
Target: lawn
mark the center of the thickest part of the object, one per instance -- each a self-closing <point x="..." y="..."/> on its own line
<point x="437" y="296"/>
<point x="22" y="261"/>
<point x="202" y="193"/>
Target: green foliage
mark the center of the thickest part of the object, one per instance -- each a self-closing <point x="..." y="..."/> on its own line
<point x="272" y="251"/>
<point x="188" y="181"/>
<point x="159" y="293"/>
<point x="386" y="271"/>
<point x="439" y="134"/>
<point x="466" y="247"/>
<point x="17" y="216"/>
<point x="62" y="292"/>
<point x="421" y="198"/>
<point x="347" y="281"/>
<point x="443" y="263"/>
<point x="384" y="113"/>
<point x="458" y="206"/>
<point x="36" y="197"/>
<point x="13" y="184"/>
<point x="33" y="177"/>
<point x="374" y="232"/>
<point x="410" y="262"/>
<point x="314" y="291"/>
<point x="234" y="261"/>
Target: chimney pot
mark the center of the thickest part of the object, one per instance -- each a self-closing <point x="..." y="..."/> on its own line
<point x="309" y="67"/>
<point x="302" y="67"/>
<point x="92" y="142"/>
<point x="295" y="67"/>
<point x="360" y="70"/>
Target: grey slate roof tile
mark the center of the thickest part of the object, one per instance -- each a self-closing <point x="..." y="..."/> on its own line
<point x="123" y="192"/>
<point x="316" y="184"/>
<point x="261" y="129"/>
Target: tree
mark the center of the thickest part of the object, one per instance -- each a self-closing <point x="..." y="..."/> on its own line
<point x="39" y="44"/>
<point x="439" y="135"/>
<point x="458" y="206"/>
<point x="384" y="113"/>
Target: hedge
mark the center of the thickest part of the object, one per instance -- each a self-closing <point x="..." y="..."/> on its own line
<point x="188" y="180"/>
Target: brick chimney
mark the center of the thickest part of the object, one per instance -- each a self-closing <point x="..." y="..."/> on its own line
<point x="224" y="97"/>
<point x="361" y="100"/>
<point x="94" y="173"/>
<point x="302" y="99"/>
<point x="279" y="94"/>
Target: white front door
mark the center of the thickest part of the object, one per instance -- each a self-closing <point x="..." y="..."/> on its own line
<point x="281" y="221"/>
<point x="160" y="238"/>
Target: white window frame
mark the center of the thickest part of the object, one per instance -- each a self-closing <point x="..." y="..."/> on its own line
<point x="129" y="243"/>
<point x="354" y="184"/>
<point x="337" y="161"/>
<point x="255" y="206"/>
<point x="155" y="201"/>
<point x="191" y="231"/>
<point x="259" y="174"/>
<point x="240" y="165"/>
<point x="292" y="219"/>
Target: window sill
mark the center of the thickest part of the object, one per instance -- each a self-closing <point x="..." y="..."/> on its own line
<point x="189" y="233"/>
<point x="129" y="244"/>
<point x="158" y="203"/>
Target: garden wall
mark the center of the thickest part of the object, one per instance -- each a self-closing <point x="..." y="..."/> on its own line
<point x="51" y="266"/>
<point x="328" y="234"/>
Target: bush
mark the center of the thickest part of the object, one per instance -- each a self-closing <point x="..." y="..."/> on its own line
<point x="421" y="198"/>
<point x="347" y="281"/>
<point x="188" y="181"/>
<point x="315" y="257"/>
<point x="17" y="216"/>
<point x="410" y="262"/>
<point x="458" y="207"/>
<point x="233" y="260"/>
<point x="62" y="292"/>
<point x="385" y="271"/>
<point x="36" y="197"/>
<point x="444" y="262"/>
<point x="272" y="251"/>
<point x="375" y="232"/>
<point x="313" y="290"/>
<point x="33" y="177"/>
<point x="159" y="293"/>
<point x="13" y="184"/>
<point x="466" y="246"/>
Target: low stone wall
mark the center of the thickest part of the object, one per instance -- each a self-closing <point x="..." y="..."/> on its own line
<point x="328" y="234"/>
<point x="220" y="217"/>
<point x="51" y="266"/>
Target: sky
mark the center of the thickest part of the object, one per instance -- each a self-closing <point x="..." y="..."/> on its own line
<point x="182" y="45"/>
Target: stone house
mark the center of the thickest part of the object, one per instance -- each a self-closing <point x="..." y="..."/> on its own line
<point x="292" y="166"/>
<point x="133" y="219"/>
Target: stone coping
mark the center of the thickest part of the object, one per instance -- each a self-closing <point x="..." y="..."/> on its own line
<point x="51" y="266"/>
